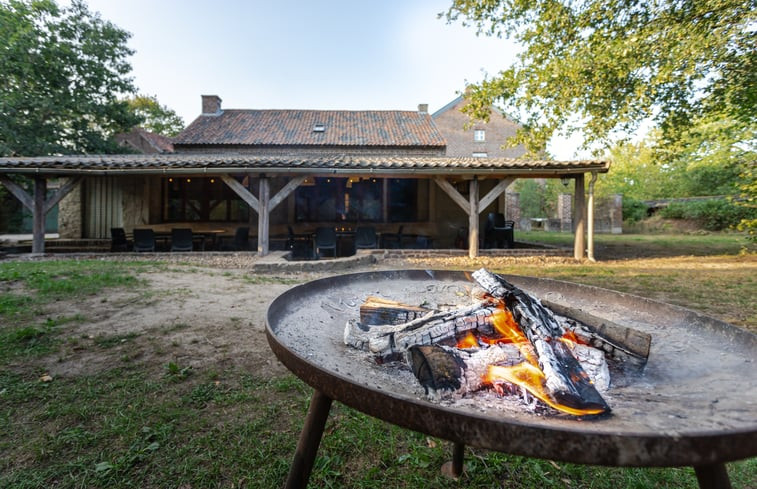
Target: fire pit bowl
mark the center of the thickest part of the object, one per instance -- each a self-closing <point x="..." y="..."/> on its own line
<point x="695" y="404"/>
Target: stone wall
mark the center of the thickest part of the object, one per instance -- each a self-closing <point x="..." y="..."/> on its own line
<point x="70" y="224"/>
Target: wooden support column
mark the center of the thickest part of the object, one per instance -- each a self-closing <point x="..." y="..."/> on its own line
<point x="38" y="205"/>
<point x="263" y="204"/>
<point x="264" y="216"/>
<point x="38" y="215"/>
<point x="590" y="216"/>
<point x="473" y="218"/>
<point x="579" y="209"/>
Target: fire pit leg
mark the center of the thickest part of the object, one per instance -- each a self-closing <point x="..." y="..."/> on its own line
<point x="713" y="476"/>
<point x="310" y="438"/>
<point x="454" y="468"/>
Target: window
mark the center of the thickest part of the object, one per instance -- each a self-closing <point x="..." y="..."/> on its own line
<point x="479" y="135"/>
<point x="201" y="199"/>
<point x="339" y="199"/>
<point x="480" y="155"/>
<point x="361" y="199"/>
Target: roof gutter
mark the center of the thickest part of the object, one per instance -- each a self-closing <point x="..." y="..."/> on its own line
<point x="304" y="171"/>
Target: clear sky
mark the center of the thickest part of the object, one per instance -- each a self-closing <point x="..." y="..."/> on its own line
<point x="297" y="54"/>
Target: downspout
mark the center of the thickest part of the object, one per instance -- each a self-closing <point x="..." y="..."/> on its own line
<point x="590" y="217"/>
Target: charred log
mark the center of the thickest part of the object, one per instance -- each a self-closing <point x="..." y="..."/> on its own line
<point x="446" y="372"/>
<point x="566" y="381"/>
<point x="377" y="310"/>
<point x="625" y="345"/>
<point x="389" y="341"/>
<point x="451" y="372"/>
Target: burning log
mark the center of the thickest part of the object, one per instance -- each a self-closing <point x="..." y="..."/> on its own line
<point x="391" y="341"/>
<point x="565" y="381"/>
<point x="446" y="372"/>
<point x="626" y="345"/>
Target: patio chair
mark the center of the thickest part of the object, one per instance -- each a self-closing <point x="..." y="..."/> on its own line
<point x="325" y="239"/>
<point x="498" y="232"/>
<point x="365" y="238"/>
<point x="181" y="239"/>
<point x="144" y="240"/>
<point x="392" y="240"/>
<point x="241" y="240"/>
<point x="118" y="240"/>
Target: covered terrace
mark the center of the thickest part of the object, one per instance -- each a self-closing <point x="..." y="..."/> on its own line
<point x="265" y="182"/>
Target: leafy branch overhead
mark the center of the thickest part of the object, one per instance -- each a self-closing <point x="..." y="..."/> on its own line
<point x="64" y="70"/>
<point x="608" y="66"/>
<point x="155" y="117"/>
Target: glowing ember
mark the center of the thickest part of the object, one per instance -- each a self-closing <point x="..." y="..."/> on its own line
<point x="468" y="341"/>
<point x="532" y="379"/>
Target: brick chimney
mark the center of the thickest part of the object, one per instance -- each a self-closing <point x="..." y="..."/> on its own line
<point x="211" y="105"/>
<point x="423" y="108"/>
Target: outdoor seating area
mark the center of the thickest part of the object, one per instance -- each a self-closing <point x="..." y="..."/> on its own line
<point x="145" y="240"/>
<point x="323" y="242"/>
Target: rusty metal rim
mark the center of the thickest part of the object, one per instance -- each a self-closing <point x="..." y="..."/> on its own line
<point x="507" y="435"/>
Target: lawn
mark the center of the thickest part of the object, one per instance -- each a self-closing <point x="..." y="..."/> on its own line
<point x="134" y="408"/>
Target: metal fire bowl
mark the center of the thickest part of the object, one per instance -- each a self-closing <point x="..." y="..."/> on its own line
<point x="695" y="403"/>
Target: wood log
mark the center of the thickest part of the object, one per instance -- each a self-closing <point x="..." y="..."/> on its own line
<point x="377" y="310"/>
<point x="566" y="381"/>
<point x="390" y="341"/>
<point x="625" y="345"/>
<point x="446" y="372"/>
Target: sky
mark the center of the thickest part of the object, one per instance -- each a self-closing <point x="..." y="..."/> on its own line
<point x="297" y="54"/>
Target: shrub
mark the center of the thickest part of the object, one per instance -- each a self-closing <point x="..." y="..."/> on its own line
<point x="633" y="210"/>
<point x="713" y="215"/>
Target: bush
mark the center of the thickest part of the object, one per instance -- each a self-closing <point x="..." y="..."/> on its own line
<point x="713" y="215"/>
<point x="633" y="210"/>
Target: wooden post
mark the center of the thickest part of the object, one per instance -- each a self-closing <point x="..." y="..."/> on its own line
<point x="590" y="218"/>
<point x="473" y="218"/>
<point x="38" y="215"/>
<point x="264" y="215"/>
<point x="579" y="209"/>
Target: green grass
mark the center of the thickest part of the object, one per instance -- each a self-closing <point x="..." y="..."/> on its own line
<point x="161" y="424"/>
<point x="619" y="246"/>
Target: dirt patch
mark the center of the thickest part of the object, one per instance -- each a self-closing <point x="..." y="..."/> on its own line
<point x="193" y="317"/>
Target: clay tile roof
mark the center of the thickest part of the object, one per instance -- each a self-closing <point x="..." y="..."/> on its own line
<point x="162" y="143"/>
<point x="296" y="127"/>
<point x="228" y="163"/>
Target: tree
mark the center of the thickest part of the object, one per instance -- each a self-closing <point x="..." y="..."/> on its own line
<point x="63" y="71"/>
<point x="155" y="117"/>
<point x="606" y="66"/>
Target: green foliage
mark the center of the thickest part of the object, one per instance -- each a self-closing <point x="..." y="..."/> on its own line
<point x="710" y="158"/>
<point x="538" y="198"/>
<point x="633" y="210"/>
<point x="713" y="214"/>
<point x="605" y="66"/>
<point x="63" y="71"/>
<point x="748" y="189"/>
<point x="155" y="117"/>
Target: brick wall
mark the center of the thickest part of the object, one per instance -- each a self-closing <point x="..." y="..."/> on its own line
<point x="450" y="122"/>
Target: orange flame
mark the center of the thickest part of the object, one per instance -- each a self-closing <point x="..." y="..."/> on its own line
<point x="532" y="379"/>
<point x="468" y="341"/>
<point x="504" y="323"/>
<point x="570" y="339"/>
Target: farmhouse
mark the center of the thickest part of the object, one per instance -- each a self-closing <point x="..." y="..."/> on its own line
<point x="275" y="171"/>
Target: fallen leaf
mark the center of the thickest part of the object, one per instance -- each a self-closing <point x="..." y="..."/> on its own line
<point x="46" y="378"/>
